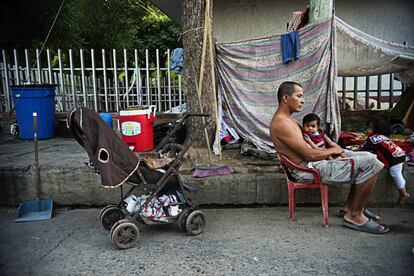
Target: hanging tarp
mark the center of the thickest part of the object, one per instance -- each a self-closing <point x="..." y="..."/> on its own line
<point x="250" y="73"/>
<point x="360" y="54"/>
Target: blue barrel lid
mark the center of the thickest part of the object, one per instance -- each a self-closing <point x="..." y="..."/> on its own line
<point x="33" y="90"/>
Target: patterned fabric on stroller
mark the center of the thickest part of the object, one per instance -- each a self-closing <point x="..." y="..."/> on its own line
<point x="156" y="195"/>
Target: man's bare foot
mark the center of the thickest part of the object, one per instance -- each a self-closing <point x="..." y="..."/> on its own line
<point x="364" y="224"/>
<point x="355" y="219"/>
<point x="340" y="213"/>
<point x="403" y="198"/>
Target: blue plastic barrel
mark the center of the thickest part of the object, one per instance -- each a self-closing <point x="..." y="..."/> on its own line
<point x="35" y="98"/>
<point x="107" y="117"/>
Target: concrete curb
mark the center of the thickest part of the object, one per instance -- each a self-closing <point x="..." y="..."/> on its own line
<point x="68" y="186"/>
<point x="66" y="180"/>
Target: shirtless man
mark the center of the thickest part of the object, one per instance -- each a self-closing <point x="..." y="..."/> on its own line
<point x="359" y="168"/>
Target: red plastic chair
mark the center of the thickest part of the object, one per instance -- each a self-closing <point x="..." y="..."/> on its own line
<point x="293" y="185"/>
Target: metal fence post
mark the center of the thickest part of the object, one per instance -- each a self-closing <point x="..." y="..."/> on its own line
<point x="391" y="98"/>
<point x="355" y="92"/>
<point x="344" y="92"/>
<point x="148" y="78"/>
<point x="72" y="79"/>
<point x="49" y="67"/>
<point x="105" y="81"/>
<point x="180" y="93"/>
<point x="39" y="75"/>
<point x="138" y="78"/>
<point x="95" y="93"/>
<point x="379" y="91"/>
<point x="158" y="80"/>
<point x="115" y="80"/>
<point x="126" y="94"/>
<point x="6" y="80"/>
<point x="26" y="58"/>
<point x="61" y="77"/>
<point x="16" y="67"/>
<point x="367" y="84"/>
<point x="169" y="79"/>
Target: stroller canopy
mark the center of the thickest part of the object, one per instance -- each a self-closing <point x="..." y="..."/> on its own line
<point x="108" y="153"/>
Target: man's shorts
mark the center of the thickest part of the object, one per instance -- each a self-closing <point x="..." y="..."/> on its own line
<point x="358" y="167"/>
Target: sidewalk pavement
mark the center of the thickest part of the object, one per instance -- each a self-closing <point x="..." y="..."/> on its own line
<point x="237" y="241"/>
<point x="66" y="179"/>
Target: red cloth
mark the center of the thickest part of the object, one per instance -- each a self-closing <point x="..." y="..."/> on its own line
<point x="350" y="138"/>
<point x="406" y="146"/>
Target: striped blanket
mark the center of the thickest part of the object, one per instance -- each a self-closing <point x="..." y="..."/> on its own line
<point x="250" y="72"/>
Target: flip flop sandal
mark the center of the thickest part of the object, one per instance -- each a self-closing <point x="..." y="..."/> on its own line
<point x="369" y="227"/>
<point x="371" y="215"/>
<point x="341" y="213"/>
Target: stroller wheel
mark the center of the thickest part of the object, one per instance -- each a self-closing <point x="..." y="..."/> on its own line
<point x="125" y="235"/>
<point x="196" y="222"/>
<point x="182" y="219"/>
<point x="116" y="224"/>
<point x="103" y="210"/>
<point x="110" y="216"/>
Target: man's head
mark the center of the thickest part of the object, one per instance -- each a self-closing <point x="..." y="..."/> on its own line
<point x="291" y="94"/>
<point x="311" y="123"/>
<point x="287" y="88"/>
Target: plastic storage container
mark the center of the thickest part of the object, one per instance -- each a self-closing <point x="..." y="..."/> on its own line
<point x="35" y="98"/>
<point x="137" y="128"/>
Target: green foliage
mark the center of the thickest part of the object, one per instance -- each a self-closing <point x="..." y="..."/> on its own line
<point x="25" y="24"/>
<point x="157" y="32"/>
<point x="88" y="24"/>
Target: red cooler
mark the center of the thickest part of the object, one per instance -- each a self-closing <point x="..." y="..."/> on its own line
<point x="137" y="128"/>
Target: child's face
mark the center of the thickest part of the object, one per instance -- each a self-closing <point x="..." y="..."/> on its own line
<point x="311" y="127"/>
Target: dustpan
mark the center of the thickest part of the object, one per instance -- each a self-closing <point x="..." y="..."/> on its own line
<point x="38" y="209"/>
<point x="31" y="210"/>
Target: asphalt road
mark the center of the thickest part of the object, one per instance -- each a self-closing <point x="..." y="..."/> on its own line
<point x="237" y="241"/>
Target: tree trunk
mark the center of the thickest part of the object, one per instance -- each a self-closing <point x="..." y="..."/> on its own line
<point x="193" y="31"/>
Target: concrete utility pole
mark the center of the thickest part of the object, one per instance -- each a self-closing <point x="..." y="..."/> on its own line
<point x="193" y="20"/>
<point x="320" y="9"/>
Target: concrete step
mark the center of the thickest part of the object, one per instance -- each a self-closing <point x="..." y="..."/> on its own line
<point x="65" y="178"/>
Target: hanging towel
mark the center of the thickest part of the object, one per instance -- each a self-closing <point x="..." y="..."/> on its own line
<point x="177" y="57"/>
<point x="290" y="46"/>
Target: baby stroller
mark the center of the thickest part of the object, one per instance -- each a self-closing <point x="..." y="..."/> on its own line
<point x="118" y="165"/>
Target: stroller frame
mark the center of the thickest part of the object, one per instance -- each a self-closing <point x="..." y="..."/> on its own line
<point x="124" y="232"/>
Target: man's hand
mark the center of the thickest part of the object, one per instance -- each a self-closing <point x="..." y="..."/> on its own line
<point x="343" y="155"/>
<point x="338" y="152"/>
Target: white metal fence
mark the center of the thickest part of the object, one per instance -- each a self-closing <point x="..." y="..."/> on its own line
<point x="105" y="81"/>
<point x="370" y="92"/>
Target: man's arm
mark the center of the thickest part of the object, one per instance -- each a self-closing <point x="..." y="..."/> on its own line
<point x="291" y="136"/>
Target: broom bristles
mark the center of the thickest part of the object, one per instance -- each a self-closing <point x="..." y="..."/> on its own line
<point x="212" y="170"/>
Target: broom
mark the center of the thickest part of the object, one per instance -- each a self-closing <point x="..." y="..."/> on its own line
<point x="210" y="170"/>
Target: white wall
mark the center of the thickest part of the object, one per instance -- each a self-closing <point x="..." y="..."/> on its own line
<point x="243" y="19"/>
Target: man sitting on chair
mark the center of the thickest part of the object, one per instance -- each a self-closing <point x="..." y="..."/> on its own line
<point x="358" y="168"/>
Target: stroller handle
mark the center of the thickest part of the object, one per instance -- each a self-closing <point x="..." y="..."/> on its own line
<point x="186" y="116"/>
